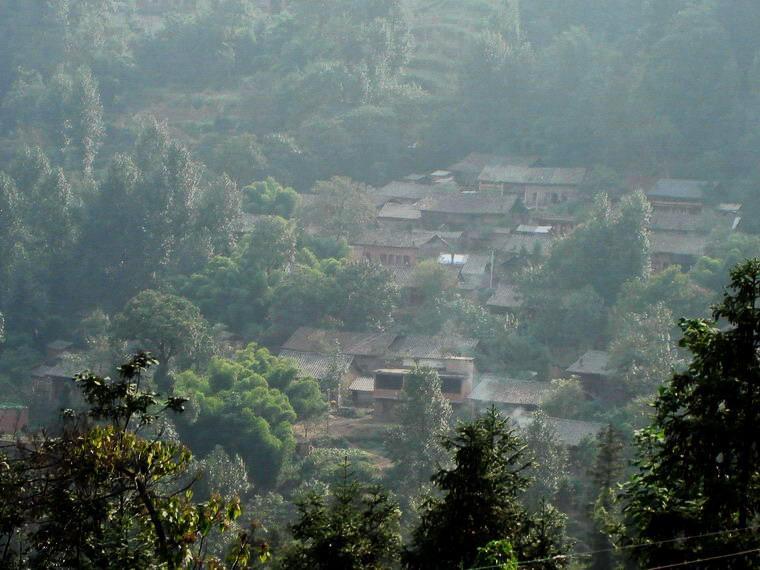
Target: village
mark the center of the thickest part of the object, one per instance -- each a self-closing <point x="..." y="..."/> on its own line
<point x="482" y="220"/>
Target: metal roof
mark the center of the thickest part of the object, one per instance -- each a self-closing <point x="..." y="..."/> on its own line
<point x="591" y="362"/>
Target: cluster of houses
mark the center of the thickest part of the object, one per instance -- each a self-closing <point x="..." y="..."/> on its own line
<point x="485" y="216"/>
<point x="372" y="368"/>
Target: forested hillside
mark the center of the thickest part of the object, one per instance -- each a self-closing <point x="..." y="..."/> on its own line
<point x="401" y="283"/>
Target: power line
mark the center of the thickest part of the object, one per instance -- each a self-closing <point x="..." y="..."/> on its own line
<point x="708" y="559"/>
<point x="627" y="547"/>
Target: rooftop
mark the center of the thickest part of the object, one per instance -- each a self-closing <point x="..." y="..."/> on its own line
<point x="317" y="365"/>
<point x="363" y="384"/>
<point x="424" y="346"/>
<point x="570" y="432"/>
<point x="526" y="229"/>
<point x="476" y="264"/>
<point x="307" y="339"/>
<point x="506" y="296"/>
<point x="392" y="237"/>
<point x="517" y="243"/>
<point x="478" y="203"/>
<point x="59" y="345"/>
<point x="533" y="176"/>
<point x="396" y="211"/>
<point x="500" y="390"/>
<point x="679" y="189"/>
<point x="407" y="190"/>
<point x="686" y="244"/>
<point x="591" y="362"/>
<point x="474" y="162"/>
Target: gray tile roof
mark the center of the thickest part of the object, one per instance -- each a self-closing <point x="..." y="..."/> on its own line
<point x="403" y="276"/>
<point x="570" y="432"/>
<point x="363" y="384"/>
<point x="307" y="339"/>
<point x="679" y="189"/>
<point x="533" y="176"/>
<point x="591" y="362"/>
<point x="412" y="191"/>
<point x="396" y="211"/>
<point x="686" y="244"/>
<point x="506" y="296"/>
<point x="476" y="264"/>
<point x="476" y="203"/>
<point x="392" y="237"/>
<point x="424" y="346"/>
<point x="510" y="391"/>
<point x="317" y="365"/>
<point x="668" y="220"/>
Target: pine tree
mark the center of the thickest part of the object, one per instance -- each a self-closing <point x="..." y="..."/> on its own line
<point x="699" y="462"/>
<point x="479" y="502"/>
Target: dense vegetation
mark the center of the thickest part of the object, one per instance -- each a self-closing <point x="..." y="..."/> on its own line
<point x="183" y="181"/>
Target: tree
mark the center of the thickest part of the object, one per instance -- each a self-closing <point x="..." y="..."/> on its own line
<point x="365" y="296"/>
<point x="698" y="461"/>
<point x="424" y="417"/>
<point x="479" y="502"/>
<point x="606" y="473"/>
<point x="343" y="207"/>
<point x="356" y="527"/>
<point x="101" y="494"/>
<point x="169" y="325"/>
<point x="549" y="460"/>
<point x="270" y="246"/>
<point x="271" y="198"/>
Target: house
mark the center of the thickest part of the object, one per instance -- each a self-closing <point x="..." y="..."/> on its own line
<point x="53" y="387"/>
<point x="506" y="299"/>
<point x="475" y="273"/>
<point x="409" y="192"/>
<point x="466" y="209"/>
<point x="393" y="247"/>
<point x="362" y="391"/>
<point x="672" y="248"/>
<point x="678" y="195"/>
<point x="537" y="186"/>
<point x="399" y="212"/>
<point x="509" y="394"/>
<point x="456" y="374"/>
<point x="367" y="348"/>
<point x="321" y="366"/>
<point x="467" y="170"/>
<point x="13" y="418"/>
<point x="56" y="348"/>
<point x="594" y="372"/>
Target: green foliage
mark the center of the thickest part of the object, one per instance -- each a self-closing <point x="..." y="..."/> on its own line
<point x="549" y="461"/>
<point x="697" y="462"/>
<point x="479" y="502"/>
<point x="342" y="207"/>
<point x="424" y="417"/>
<point x="355" y="527"/>
<point x="248" y="405"/>
<point x="269" y="197"/>
<point x="102" y="495"/>
<point x="171" y="326"/>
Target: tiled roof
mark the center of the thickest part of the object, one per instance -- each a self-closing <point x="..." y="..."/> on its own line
<point x="570" y="432"/>
<point x="392" y="237"/>
<point x="471" y="281"/>
<point x="424" y="346"/>
<point x="692" y="245"/>
<point x="363" y="384"/>
<point x="396" y="211"/>
<point x="317" y="365"/>
<point x="412" y="190"/>
<point x="516" y="243"/>
<point x="59" y="345"/>
<point x="403" y="275"/>
<point x="468" y="203"/>
<point x="307" y="339"/>
<point x="533" y="230"/>
<point x="533" y="176"/>
<point x="591" y="362"/>
<point x="476" y="264"/>
<point x="510" y="391"/>
<point x="59" y="370"/>
<point x="668" y="220"/>
<point x="678" y="189"/>
<point x="506" y="296"/>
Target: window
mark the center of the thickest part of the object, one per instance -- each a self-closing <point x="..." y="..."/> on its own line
<point x="389" y="381"/>
<point x="451" y="385"/>
<point x="407" y="260"/>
